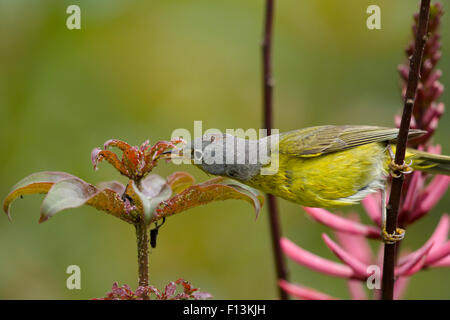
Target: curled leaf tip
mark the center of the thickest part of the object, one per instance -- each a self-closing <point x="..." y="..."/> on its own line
<point x="42" y="218"/>
<point x="94" y="157"/>
<point x="144" y="146"/>
<point x="6" y="206"/>
<point x="107" y="143"/>
<point x="116" y="143"/>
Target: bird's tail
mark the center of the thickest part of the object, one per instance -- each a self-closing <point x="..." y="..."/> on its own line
<point x="428" y="162"/>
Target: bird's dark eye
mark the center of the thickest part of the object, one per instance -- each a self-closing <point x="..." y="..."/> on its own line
<point x="198" y="155"/>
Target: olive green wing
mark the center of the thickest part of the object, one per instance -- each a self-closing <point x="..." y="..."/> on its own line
<point x="315" y="141"/>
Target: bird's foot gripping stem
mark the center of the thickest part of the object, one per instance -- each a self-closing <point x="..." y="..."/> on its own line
<point x="404" y="168"/>
<point x="398" y="169"/>
<point x="398" y="234"/>
<point x="391" y="238"/>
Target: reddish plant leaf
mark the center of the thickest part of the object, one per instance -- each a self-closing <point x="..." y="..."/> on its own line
<point x="39" y="182"/>
<point x="67" y="191"/>
<point x="179" y="181"/>
<point x="122" y="145"/>
<point x="201" y="295"/>
<point x="65" y="194"/>
<point x="213" y="190"/>
<point x="125" y="293"/>
<point x="112" y="185"/>
<point x="98" y="155"/>
<point x="187" y="288"/>
<point x="111" y="202"/>
<point x="170" y="289"/>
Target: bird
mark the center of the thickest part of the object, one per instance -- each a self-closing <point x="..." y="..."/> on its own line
<point x="323" y="166"/>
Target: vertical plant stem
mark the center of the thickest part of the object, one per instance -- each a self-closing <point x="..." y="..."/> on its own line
<point x="280" y="263"/>
<point x="142" y="249"/>
<point x="397" y="183"/>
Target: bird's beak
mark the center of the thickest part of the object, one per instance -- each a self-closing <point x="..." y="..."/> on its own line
<point x="173" y="154"/>
<point x="166" y="155"/>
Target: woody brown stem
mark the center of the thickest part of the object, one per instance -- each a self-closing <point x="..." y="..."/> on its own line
<point x="268" y="123"/>
<point x="397" y="182"/>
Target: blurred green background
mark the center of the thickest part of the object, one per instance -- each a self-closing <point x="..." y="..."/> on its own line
<point x="140" y="69"/>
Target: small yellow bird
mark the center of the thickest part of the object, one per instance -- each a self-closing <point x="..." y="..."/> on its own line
<point x="324" y="166"/>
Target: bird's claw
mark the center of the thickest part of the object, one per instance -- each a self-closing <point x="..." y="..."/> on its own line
<point x="404" y="168"/>
<point x="391" y="238"/>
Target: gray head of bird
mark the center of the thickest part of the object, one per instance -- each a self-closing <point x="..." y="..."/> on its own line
<point x="226" y="155"/>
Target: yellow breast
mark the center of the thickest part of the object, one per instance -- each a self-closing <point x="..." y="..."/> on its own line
<point x="330" y="180"/>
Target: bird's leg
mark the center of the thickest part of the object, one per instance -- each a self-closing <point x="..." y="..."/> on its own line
<point x="399" y="233"/>
<point x="404" y="168"/>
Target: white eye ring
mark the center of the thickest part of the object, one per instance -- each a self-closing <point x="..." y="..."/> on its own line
<point x="198" y="154"/>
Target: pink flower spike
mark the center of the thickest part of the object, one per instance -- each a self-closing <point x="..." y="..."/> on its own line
<point x="314" y="262"/>
<point x="404" y="71"/>
<point x="373" y="207"/>
<point x="357" y="245"/>
<point x="356" y="289"/>
<point x="439" y="253"/>
<point x="437" y="149"/>
<point x="380" y="254"/>
<point x="440" y="234"/>
<point x="436" y="91"/>
<point x="416" y="184"/>
<point x="441" y="109"/>
<point x="397" y="120"/>
<point x="417" y="267"/>
<point x="432" y="194"/>
<point x="445" y="262"/>
<point x="303" y="292"/>
<point x="431" y="128"/>
<point x="342" y="224"/>
<point x="400" y="287"/>
<point x="433" y="112"/>
<point x="434" y="76"/>
<point x="407" y="263"/>
<point x="359" y="268"/>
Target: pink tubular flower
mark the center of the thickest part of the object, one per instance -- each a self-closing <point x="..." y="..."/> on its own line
<point x="303" y="292"/>
<point x="314" y="262"/>
<point x="342" y="224"/>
